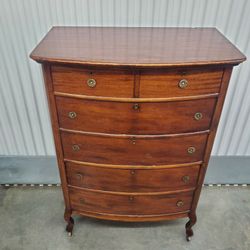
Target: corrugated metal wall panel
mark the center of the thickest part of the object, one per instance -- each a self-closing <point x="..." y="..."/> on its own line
<point x="24" y="123"/>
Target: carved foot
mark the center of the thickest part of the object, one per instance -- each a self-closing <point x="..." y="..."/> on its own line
<point x="190" y="223"/>
<point x="70" y="221"/>
<point x="69" y="227"/>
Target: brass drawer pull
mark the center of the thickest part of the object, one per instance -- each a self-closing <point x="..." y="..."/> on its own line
<point x="79" y="176"/>
<point x="82" y="201"/>
<point x="132" y="172"/>
<point x="72" y="115"/>
<point x="91" y="83"/>
<point x="133" y="140"/>
<point x="179" y="203"/>
<point x="191" y="150"/>
<point x="185" y="178"/>
<point x="183" y="83"/>
<point x="198" y="116"/>
<point x="75" y="147"/>
<point x="136" y="106"/>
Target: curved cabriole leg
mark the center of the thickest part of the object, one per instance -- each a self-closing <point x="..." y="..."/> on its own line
<point x="70" y="221"/>
<point x="190" y="223"/>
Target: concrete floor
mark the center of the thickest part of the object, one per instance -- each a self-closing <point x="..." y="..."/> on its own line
<point x="32" y="218"/>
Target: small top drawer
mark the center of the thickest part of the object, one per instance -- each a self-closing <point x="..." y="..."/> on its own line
<point x="93" y="82"/>
<point x="179" y="83"/>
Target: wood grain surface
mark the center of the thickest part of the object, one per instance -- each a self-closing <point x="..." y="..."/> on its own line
<point x="128" y="203"/>
<point x="157" y="83"/>
<point x="132" y="150"/>
<point x="132" y="180"/>
<point x="123" y="118"/>
<point x="118" y="83"/>
<point x="139" y="47"/>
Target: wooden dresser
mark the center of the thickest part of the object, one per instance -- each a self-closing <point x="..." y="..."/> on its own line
<point x="134" y="114"/>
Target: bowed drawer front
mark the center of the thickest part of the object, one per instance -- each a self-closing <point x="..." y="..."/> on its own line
<point x="132" y="179"/>
<point x="139" y="118"/>
<point x="130" y="204"/>
<point x="134" y="114"/>
<point x="150" y="150"/>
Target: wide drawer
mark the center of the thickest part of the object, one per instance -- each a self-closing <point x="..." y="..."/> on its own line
<point x="129" y="204"/>
<point x="116" y="83"/>
<point x="179" y="83"/>
<point x="127" y="150"/>
<point x="135" y="118"/>
<point x="131" y="179"/>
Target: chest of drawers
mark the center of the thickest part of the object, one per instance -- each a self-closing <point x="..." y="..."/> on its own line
<point x="134" y="114"/>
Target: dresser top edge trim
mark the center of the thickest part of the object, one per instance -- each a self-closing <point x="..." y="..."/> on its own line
<point x="45" y="60"/>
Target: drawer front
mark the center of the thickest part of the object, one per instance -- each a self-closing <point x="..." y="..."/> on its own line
<point x="128" y="204"/>
<point x="132" y="180"/>
<point x="116" y="83"/>
<point x="174" y="84"/>
<point x="133" y="150"/>
<point x="135" y="118"/>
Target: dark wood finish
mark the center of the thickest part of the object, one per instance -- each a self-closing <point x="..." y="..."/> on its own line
<point x="73" y="80"/>
<point x="214" y="125"/>
<point x="57" y="140"/>
<point x="70" y="225"/>
<point x="148" y="118"/>
<point x="131" y="180"/>
<point x="189" y="225"/>
<point x="129" y="203"/>
<point x="123" y="154"/>
<point x="148" y="150"/>
<point x="140" y="47"/>
<point x="156" y="84"/>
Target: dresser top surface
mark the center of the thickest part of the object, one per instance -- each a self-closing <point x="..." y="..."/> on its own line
<point x="139" y="47"/>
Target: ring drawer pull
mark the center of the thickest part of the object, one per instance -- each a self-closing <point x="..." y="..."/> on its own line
<point x="79" y="176"/>
<point x="179" y="203"/>
<point x="136" y="106"/>
<point x="185" y="178"/>
<point x="91" y="83"/>
<point x="198" y="116"/>
<point x="82" y="201"/>
<point x="72" y="115"/>
<point x="75" y="147"/>
<point x="183" y="83"/>
<point x="191" y="150"/>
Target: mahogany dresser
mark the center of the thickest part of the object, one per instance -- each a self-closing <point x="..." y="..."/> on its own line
<point x="134" y="114"/>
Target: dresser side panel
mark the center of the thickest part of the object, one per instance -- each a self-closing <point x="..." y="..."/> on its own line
<point x="215" y="121"/>
<point x="56" y="133"/>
